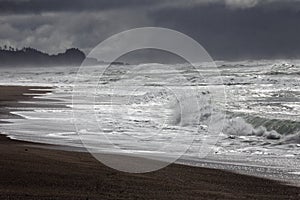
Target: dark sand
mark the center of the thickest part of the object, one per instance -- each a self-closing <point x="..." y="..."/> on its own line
<point x="11" y="95"/>
<point x="30" y="172"/>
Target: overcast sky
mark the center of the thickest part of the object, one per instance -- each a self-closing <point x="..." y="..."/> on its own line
<point x="229" y="29"/>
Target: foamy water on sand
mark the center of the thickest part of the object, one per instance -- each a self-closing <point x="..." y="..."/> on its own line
<point x="260" y="132"/>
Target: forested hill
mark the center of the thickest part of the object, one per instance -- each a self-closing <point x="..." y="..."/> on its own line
<point x="10" y="57"/>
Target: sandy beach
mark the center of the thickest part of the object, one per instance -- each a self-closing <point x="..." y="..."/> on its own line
<point x="30" y="172"/>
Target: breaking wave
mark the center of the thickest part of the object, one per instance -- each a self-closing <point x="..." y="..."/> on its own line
<point x="239" y="127"/>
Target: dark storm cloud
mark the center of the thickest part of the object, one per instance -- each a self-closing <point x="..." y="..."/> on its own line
<point x="228" y="29"/>
<point x="54" y="32"/>
<point x="39" y="6"/>
<point x="262" y="31"/>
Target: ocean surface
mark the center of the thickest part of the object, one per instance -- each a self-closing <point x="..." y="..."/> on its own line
<point x="249" y="122"/>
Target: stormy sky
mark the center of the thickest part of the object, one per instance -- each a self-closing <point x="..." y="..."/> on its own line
<point x="228" y="29"/>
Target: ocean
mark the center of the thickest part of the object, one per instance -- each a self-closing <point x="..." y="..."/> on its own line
<point x="242" y="116"/>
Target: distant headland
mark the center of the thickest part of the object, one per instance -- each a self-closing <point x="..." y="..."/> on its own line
<point x="30" y="57"/>
<point x="27" y="56"/>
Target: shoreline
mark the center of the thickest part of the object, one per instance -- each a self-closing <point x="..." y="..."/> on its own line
<point x="29" y="171"/>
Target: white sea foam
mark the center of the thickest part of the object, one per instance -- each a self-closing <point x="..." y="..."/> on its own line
<point x="292" y="139"/>
<point x="262" y="107"/>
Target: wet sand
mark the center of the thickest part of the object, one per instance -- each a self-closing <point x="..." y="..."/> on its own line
<point x="30" y="172"/>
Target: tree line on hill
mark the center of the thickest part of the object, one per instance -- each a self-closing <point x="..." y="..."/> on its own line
<point x="27" y="56"/>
